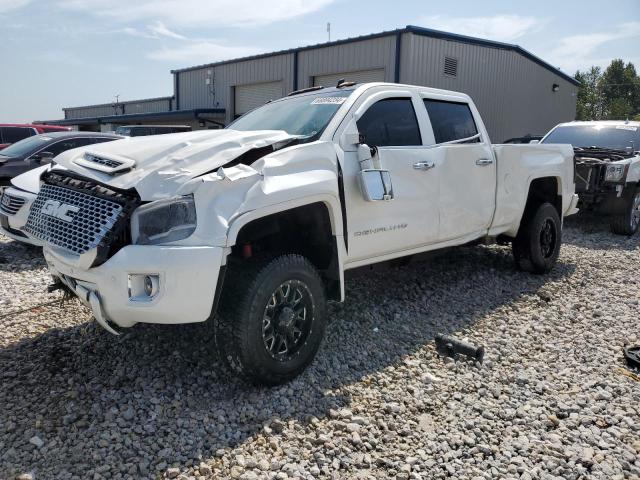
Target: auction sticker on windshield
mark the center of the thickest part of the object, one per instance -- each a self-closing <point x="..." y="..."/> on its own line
<point x="329" y="101"/>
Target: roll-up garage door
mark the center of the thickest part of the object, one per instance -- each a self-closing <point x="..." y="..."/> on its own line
<point x="256" y="94"/>
<point x="361" y="76"/>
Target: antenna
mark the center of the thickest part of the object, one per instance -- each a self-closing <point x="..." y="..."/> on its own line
<point x="116" y="104"/>
<point x="329" y="30"/>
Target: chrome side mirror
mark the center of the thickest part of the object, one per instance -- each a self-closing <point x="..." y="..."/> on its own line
<point x="376" y="185"/>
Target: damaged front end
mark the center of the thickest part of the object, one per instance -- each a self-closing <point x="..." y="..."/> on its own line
<point x="600" y="174"/>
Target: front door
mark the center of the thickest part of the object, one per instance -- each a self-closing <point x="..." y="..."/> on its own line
<point x="410" y="219"/>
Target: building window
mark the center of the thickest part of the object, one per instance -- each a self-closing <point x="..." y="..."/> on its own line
<point x="451" y="66"/>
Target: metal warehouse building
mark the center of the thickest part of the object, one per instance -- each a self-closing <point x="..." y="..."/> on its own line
<point x="516" y="92"/>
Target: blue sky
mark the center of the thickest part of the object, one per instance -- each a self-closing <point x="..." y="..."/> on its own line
<point x="58" y="53"/>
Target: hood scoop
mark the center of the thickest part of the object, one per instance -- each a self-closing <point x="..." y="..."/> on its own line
<point x="110" y="164"/>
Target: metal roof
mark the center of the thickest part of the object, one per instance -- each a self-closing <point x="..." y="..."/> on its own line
<point x="427" y="32"/>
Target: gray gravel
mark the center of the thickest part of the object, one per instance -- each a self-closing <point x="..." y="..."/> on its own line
<point x="552" y="399"/>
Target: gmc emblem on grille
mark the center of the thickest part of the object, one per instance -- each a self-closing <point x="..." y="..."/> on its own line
<point x="53" y="208"/>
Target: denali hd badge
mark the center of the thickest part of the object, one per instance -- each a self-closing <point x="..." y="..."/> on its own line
<point x="61" y="211"/>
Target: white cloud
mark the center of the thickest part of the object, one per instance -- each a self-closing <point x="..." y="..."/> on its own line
<point x="199" y="13"/>
<point x="504" y="28"/>
<point x="201" y="52"/>
<point x="580" y="51"/>
<point x="158" y="28"/>
<point x="8" y="5"/>
<point x="155" y="30"/>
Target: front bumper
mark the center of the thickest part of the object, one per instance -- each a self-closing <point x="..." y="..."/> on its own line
<point x="188" y="277"/>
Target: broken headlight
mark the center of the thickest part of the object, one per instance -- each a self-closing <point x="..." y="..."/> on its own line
<point x="615" y="172"/>
<point x="164" y="221"/>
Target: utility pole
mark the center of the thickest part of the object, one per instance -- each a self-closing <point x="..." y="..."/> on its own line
<point x="329" y="30"/>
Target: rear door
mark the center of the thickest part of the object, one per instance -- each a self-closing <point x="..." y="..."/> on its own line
<point x="466" y="168"/>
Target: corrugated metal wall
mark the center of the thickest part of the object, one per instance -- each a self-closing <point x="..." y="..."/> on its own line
<point x="359" y="76"/>
<point x="195" y="93"/>
<point x="148" y="106"/>
<point x="376" y="53"/>
<point x="514" y="94"/>
<point x="151" y="105"/>
<point x="91" y="111"/>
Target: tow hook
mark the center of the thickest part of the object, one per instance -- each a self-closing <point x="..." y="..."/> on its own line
<point x="449" y="346"/>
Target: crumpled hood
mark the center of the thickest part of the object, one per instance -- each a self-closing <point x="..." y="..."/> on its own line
<point x="157" y="166"/>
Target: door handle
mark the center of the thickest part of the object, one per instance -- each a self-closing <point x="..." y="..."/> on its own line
<point x="483" y="162"/>
<point x="424" y="165"/>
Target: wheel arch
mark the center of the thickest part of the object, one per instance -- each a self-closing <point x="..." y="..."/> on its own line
<point x="311" y="226"/>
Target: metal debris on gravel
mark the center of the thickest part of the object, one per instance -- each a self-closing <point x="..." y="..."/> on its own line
<point x="550" y="400"/>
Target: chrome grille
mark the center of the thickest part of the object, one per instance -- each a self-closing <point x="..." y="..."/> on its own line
<point x="72" y="220"/>
<point x="10" y="204"/>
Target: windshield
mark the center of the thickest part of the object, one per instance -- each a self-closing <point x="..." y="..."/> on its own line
<point x="25" y="147"/>
<point x="617" y="137"/>
<point x="306" y="115"/>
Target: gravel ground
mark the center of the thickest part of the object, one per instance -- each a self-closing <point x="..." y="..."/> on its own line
<point x="552" y="399"/>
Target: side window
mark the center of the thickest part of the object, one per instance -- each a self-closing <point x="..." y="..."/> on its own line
<point x="101" y="139"/>
<point x="15" y="134"/>
<point x="390" y="122"/>
<point x="62" y="146"/>
<point x="450" y="120"/>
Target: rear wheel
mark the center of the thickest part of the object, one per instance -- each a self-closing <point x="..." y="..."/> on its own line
<point x="272" y="319"/>
<point x="627" y="222"/>
<point x="537" y="246"/>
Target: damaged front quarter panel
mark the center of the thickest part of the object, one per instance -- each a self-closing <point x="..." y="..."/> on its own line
<point x="293" y="176"/>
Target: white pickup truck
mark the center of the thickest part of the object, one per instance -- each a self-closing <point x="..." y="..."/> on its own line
<point x="254" y="226"/>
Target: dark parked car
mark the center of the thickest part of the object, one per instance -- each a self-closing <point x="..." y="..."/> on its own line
<point x="38" y="150"/>
<point x="14" y="132"/>
<point x="144" y="130"/>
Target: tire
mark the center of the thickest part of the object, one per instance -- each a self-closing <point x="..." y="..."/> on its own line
<point x="627" y="223"/>
<point x="266" y="308"/>
<point x="537" y="246"/>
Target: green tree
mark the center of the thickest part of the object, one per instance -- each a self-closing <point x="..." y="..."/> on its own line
<point x="589" y="101"/>
<point x="620" y="90"/>
<point x="612" y="94"/>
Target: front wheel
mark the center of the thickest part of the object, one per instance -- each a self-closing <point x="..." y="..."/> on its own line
<point x="537" y="246"/>
<point x="272" y="319"/>
<point x="627" y="222"/>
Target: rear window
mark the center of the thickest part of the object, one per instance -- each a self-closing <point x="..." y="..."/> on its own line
<point x="450" y="120"/>
<point x="15" y="134"/>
